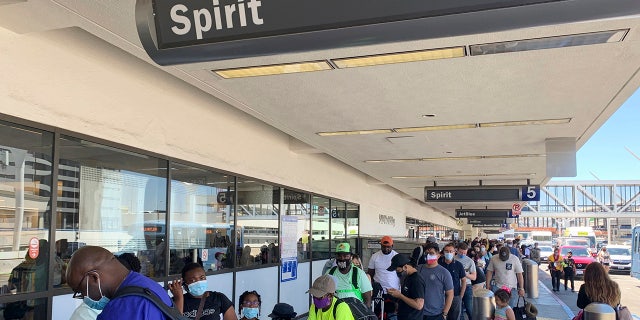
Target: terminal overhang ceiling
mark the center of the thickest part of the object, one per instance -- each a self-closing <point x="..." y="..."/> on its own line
<point x="456" y="121"/>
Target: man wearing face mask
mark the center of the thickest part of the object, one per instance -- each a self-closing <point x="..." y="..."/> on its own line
<point x="458" y="276"/>
<point x="350" y="281"/>
<point x="411" y="295"/>
<point x="506" y="270"/>
<point x="324" y="305"/>
<point x="438" y="293"/>
<point x="95" y="275"/>
<point x="380" y="261"/>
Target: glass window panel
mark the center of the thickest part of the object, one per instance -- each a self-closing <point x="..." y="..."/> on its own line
<point x="258" y="216"/>
<point x="25" y="204"/>
<point x="338" y="220"/>
<point x="320" y="216"/>
<point x="353" y="220"/>
<point x="202" y="228"/>
<point x="33" y="309"/>
<point x="298" y="204"/>
<point x="112" y="198"/>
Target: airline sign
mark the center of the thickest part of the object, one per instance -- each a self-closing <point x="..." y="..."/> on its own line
<point x="483" y="213"/>
<point x="482" y="193"/>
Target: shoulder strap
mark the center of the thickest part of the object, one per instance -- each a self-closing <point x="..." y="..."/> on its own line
<point x="170" y="312"/>
<point x="332" y="270"/>
<point x="335" y="307"/>
<point x="354" y="277"/>
<point x="202" y="300"/>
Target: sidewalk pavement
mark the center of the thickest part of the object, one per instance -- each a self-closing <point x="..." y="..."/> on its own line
<point x="549" y="305"/>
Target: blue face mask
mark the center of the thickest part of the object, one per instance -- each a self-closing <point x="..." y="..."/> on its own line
<point x="198" y="288"/>
<point x="448" y="255"/>
<point x="250" y="313"/>
<point x="98" y="305"/>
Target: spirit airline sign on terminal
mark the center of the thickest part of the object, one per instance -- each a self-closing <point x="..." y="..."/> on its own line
<point x="180" y="23"/>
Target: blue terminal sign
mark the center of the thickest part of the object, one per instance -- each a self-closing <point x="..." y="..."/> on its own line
<point x="482" y="194"/>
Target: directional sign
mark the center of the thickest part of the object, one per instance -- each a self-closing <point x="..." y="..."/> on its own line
<point x="491" y="231"/>
<point x="483" y="213"/>
<point x="482" y="193"/>
<point x="487" y="225"/>
<point x="485" y="220"/>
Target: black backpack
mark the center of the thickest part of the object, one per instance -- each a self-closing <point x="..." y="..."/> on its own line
<point x="169" y="312"/>
<point x="358" y="309"/>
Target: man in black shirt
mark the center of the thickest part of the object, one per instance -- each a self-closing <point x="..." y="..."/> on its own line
<point x="412" y="287"/>
<point x="458" y="276"/>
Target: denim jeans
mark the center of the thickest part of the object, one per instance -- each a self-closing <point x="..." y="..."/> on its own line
<point x="454" y="311"/>
<point x="467" y="303"/>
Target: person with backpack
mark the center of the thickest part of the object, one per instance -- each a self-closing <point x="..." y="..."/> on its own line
<point x="412" y="287"/>
<point x="350" y="281"/>
<point x="96" y="276"/>
<point x="198" y="302"/>
<point x="325" y="305"/>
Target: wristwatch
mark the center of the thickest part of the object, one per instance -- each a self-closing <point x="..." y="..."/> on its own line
<point x="444" y="314"/>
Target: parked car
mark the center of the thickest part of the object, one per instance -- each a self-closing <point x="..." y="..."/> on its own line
<point x="620" y="258"/>
<point x="581" y="255"/>
<point x="545" y="252"/>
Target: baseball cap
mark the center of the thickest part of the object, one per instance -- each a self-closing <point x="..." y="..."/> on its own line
<point x="431" y="239"/>
<point x="343" y="247"/>
<point x="387" y="241"/>
<point x="322" y="285"/>
<point x="398" y="260"/>
<point x="504" y="253"/>
<point x="282" y="310"/>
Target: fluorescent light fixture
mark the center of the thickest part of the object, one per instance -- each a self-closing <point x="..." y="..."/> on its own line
<point x="413" y="56"/>
<point x="502" y="156"/>
<point x="392" y="160"/>
<point x="524" y="123"/>
<point x="273" y="69"/>
<point x="435" y="128"/>
<point x="571" y="40"/>
<point x="346" y="133"/>
<point x="465" y="176"/>
<point x="449" y="127"/>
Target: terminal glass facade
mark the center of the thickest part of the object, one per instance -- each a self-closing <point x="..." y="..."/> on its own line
<point x="167" y="213"/>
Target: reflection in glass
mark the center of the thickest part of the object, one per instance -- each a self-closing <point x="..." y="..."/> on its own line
<point x="201" y="218"/>
<point x="320" y="217"/>
<point x="35" y="309"/>
<point x="25" y="195"/>
<point x="338" y="220"/>
<point x="112" y="198"/>
<point x="258" y="216"/>
<point x="353" y="220"/>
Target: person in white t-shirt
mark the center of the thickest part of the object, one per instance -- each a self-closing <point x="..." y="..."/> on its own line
<point x="379" y="263"/>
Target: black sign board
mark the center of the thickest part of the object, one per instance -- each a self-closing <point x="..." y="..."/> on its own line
<point x="483" y="213"/>
<point x="179" y="32"/>
<point x="491" y="231"/>
<point x="182" y="23"/>
<point x="485" y="220"/>
<point x="482" y="193"/>
<point x="487" y="225"/>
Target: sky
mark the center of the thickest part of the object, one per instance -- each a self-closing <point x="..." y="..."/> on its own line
<point x="613" y="152"/>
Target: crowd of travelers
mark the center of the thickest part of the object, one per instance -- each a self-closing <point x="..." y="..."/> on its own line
<point x="433" y="283"/>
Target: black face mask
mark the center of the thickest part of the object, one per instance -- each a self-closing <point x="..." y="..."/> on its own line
<point x="343" y="264"/>
<point x="402" y="274"/>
